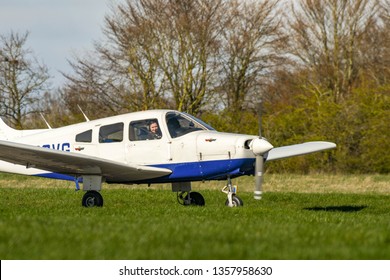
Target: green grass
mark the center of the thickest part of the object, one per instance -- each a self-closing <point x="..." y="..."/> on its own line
<point x="39" y="221"/>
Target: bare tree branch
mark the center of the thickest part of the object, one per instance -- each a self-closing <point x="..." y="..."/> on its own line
<point x="23" y="80"/>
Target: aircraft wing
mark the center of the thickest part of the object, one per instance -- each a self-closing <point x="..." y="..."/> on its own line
<point x="76" y="164"/>
<point x="299" y="149"/>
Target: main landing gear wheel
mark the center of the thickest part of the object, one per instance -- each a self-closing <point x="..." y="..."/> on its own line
<point x="92" y="199"/>
<point x="236" y="201"/>
<point x="192" y="198"/>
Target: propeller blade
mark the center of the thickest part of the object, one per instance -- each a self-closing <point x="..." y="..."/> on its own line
<point x="259" y="113"/>
<point x="259" y="177"/>
<point x="259" y="147"/>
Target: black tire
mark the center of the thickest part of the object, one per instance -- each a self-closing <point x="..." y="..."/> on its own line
<point x="196" y="199"/>
<point x="92" y="199"/>
<point x="237" y="202"/>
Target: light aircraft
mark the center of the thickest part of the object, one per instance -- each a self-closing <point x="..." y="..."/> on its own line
<point x="148" y="147"/>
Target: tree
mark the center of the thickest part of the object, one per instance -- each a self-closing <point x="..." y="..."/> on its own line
<point x="187" y="55"/>
<point x="188" y="33"/>
<point x="157" y="53"/>
<point x="327" y="38"/>
<point x="22" y="79"/>
<point x="251" y="47"/>
<point x="338" y="88"/>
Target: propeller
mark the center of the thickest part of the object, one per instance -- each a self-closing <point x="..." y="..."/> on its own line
<point x="259" y="147"/>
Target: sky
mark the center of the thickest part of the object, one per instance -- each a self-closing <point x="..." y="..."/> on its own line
<point x="58" y="29"/>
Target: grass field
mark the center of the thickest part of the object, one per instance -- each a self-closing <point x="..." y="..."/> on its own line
<point x="299" y="217"/>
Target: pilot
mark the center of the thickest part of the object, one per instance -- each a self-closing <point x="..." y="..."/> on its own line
<point x="154" y="131"/>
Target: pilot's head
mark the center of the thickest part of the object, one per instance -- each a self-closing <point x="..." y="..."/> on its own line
<point x="153" y="127"/>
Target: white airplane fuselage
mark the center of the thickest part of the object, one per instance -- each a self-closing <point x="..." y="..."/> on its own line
<point x="157" y="146"/>
<point x="201" y="153"/>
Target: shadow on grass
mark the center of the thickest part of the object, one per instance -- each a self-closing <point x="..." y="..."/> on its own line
<point x="343" y="208"/>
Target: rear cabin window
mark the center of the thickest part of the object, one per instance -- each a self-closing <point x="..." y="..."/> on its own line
<point x="111" y="133"/>
<point x="148" y="129"/>
<point x="84" y="137"/>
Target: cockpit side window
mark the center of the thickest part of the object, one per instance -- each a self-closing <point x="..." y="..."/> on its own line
<point x="111" y="133"/>
<point x="200" y="122"/>
<point x="84" y="137"/>
<point x="148" y="129"/>
<point x="179" y="125"/>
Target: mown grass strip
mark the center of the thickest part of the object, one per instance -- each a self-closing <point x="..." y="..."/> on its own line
<point x="50" y="223"/>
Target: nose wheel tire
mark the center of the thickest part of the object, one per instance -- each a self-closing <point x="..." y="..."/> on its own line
<point x="92" y="199"/>
<point x="236" y="201"/>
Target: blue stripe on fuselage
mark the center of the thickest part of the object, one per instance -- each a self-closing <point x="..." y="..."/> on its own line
<point x="188" y="171"/>
<point x="57" y="176"/>
<point x="207" y="170"/>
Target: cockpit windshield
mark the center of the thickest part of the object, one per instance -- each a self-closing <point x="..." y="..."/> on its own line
<point x="180" y="124"/>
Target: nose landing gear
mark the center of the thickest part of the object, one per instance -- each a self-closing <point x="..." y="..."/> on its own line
<point x="232" y="199"/>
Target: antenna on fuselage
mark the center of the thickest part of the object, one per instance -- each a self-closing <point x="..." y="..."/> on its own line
<point x="43" y="117"/>
<point x="82" y="112"/>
